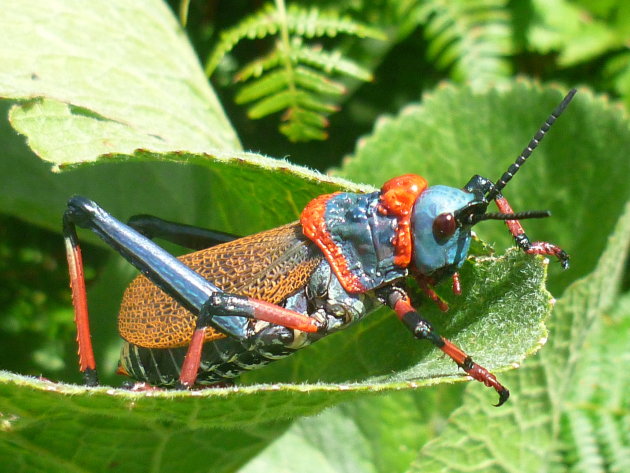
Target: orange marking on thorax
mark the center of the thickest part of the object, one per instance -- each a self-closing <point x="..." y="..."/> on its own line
<point x="313" y="220"/>
<point x="398" y="195"/>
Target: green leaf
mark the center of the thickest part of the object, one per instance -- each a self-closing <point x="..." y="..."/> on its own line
<point x="618" y="71"/>
<point x="342" y="364"/>
<point x="48" y="122"/>
<point x="553" y="389"/>
<point x="131" y="79"/>
<point x="594" y="426"/>
<point x="371" y="434"/>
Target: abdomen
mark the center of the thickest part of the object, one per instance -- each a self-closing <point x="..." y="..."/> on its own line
<point x="270" y="266"/>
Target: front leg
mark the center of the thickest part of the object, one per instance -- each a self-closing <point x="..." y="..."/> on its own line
<point x="422" y="329"/>
<point x="522" y="240"/>
<point x="481" y="186"/>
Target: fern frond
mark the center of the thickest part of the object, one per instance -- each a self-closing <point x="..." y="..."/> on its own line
<point x="294" y="76"/>
<point x="617" y="70"/>
<point x="304" y="125"/>
<point x="330" y="62"/>
<point x="272" y="104"/>
<point x="471" y="37"/>
<point x="307" y="117"/>
<point x="288" y="99"/>
<point x="278" y="80"/>
<point x="312" y="23"/>
<point x="266" y="85"/>
<point x="317" y="82"/>
<point x="257" y="26"/>
<point x="309" y="23"/>
<point x="184" y="7"/>
<point x="258" y="66"/>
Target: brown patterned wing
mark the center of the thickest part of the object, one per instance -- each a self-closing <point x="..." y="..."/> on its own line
<point x="270" y="266"/>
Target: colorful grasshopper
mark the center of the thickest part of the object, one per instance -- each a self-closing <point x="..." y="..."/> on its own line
<point x="208" y="316"/>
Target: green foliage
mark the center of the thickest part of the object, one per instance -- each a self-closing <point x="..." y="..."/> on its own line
<point x="472" y="39"/>
<point x="32" y="293"/>
<point x="479" y="42"/>
<point x="114" y="95"/>
<point x="583" y="32"/>
<point x="596" y="428"/>
<point x="294" y="76"/>
<point x="556" y="415"/>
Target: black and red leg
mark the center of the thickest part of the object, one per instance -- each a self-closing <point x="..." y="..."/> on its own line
<point x="87" y="363"/>
<point x="422" y="329"/>
<point x="227" y="313"/>
<point x="224" y="305"/>
<point x="481" y="186"/>
<point x="523" y="241"/>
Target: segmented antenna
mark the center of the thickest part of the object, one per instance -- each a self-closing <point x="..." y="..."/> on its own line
<point x="540" y="134"/>
<point x="475" y="218"/>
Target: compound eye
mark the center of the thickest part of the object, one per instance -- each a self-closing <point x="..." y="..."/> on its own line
<point x="444" y="226"/>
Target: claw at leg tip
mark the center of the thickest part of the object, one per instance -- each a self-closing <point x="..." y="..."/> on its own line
<point x="182" y="386"/>
<point x="504" y="394"/>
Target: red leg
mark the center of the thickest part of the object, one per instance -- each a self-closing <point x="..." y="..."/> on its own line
<point x="457" y="285"/>
<point x="422" y="329"/>
<point x="532" y="248"/>
<point x="87" y="364"/>
<point x="231" y="305"/>
<point x="426" y="284"/>
<point x="190" y="367"/>
<point x="186" y="286"/>
<point x="280" y="316"/>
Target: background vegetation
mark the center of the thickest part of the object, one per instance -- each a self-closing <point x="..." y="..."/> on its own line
<point x="113" y="95"/>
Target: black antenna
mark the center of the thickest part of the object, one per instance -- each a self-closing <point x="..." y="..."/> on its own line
<point x="540" y="134"/>
<point x="474" y="218"/>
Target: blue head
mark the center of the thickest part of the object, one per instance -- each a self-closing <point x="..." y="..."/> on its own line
<point x="440" y="241"/>
<point x="441" y="224"/>
<point x="443" y="216"/>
